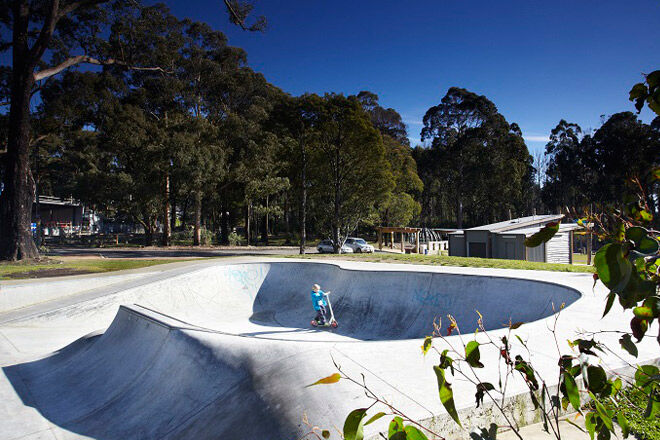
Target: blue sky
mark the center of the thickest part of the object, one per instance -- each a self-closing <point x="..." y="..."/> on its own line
<point x="537" y="61"/>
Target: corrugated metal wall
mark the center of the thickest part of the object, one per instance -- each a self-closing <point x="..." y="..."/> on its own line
<point x="558" y="248"/>
<point x="456" y="245"/>
<point x="536" y="253"/>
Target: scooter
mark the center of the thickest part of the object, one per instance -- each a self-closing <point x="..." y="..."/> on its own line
<point x="332" y="322"/>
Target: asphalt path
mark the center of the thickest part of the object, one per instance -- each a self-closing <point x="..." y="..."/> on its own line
<point x="174" y="252"/>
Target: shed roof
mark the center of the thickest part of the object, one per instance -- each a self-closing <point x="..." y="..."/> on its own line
<point x="518" y="223"/>
<point x="564" y="227"/>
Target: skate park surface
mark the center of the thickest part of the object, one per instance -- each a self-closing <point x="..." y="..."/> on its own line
<point x="223" y="349"/>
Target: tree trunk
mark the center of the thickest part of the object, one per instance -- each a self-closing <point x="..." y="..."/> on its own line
<point x="264" y="230"/>
<point x="148" y="232"/>
<point x="167" y="233"/>
<point x="335" y="221"/>
<point x="224" y="223"/>
<point x="197" y="233"/>
<point x="247" y="222"/>
<point x="16" y="241"/>
<point x="287" y="220"/>
<point x="173" y="206"/>
<point x="459" y="212"/>
<point x="303" y="199"/>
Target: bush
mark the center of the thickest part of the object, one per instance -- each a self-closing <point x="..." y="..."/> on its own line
<point x="234" y="239"/>
<point x="186" y="237"/>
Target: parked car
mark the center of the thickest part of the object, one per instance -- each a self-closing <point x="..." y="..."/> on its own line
<point x="326" y="246"/>
<point x="358" y="244"/>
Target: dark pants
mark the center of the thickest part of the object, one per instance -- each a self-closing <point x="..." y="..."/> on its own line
<point x="320" y="315"/>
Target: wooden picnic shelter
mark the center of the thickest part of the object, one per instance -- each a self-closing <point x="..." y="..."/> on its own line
<point x="390" y="232"/>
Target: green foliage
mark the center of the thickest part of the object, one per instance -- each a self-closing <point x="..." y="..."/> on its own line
<point x="632" y="399"/>
<point x="446" y="393"/>
<point x="647" y="92"/>
<point x="428" y="343"/>
<point x="588" y="169"/>
<point x="234" y="239"/>
<point x="350" y="167"/>
<point x="477" y="166"/>
<point x="185" y="237"/>
<point x="354" y="425"/>
<point x="545" y="234"/>
<point x="472" y="354"/>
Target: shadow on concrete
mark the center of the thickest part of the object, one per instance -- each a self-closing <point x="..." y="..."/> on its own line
<point x="144" y="380"/>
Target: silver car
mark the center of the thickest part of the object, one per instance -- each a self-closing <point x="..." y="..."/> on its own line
<point x="325" y="246"/>
<point x="358" y="245"/>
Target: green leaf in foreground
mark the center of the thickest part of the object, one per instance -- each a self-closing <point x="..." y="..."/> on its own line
<point x="413" y="433"/>
<point x="602" y="412"/>
<point x="428" y="343"/>
<point x="623" y="423"/>
<point x="644" y="243"/>
<point x="354" y="424"/>
<point x="333" y="378"/>
<point x="482" y="388"/>
<point x="628" y="345"/>
<point x="610" y="301"/>
<point x="396" y="425"/>
<point x="572" y="391"/>
<point x="374" y="418"/>
<point x="472" y="354"/>
<point x="543" y="235"/>
<point x="446" y="394"/>
<point x="653" y="406"/>
<point x="590" y="424"/>
<point x="613" y="268"/>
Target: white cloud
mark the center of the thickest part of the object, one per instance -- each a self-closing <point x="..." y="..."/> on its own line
<point x="536" y="138"/>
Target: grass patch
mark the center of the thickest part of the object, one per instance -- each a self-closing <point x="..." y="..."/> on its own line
<point x="441" y="260"/>
<point x="581" y="258"/>
<point x="54" y="267"/>
<point x="640" y="427"/>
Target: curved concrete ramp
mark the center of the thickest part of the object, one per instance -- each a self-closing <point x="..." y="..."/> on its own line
<point x="225" y="352"/>
<point x="269" y="300"/>
<point x="148" y="378"/>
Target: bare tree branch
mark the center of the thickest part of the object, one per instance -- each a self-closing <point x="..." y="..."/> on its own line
<point x="46" y="32"/>
<point x="66" y="10"/>
<point x="45" y="73"/>
<point x="240" y="21"/>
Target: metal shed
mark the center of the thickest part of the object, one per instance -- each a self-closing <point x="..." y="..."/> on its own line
<point x="506" y="240"/>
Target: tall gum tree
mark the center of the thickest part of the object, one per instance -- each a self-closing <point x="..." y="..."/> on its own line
<point x="46" y="38"/>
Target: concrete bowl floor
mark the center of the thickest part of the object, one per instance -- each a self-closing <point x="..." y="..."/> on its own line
<point x="225" y="349"/>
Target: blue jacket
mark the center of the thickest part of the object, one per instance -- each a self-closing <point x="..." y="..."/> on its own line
<point x="316" y="297"/>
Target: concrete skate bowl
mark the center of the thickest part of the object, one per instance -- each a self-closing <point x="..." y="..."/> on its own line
<point x="377" y="305"/>
<point x="265" y="299"/>
<point x="226" y="351"/>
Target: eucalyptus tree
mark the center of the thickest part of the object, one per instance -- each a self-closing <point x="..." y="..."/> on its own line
<point x="351" y="168"/>
<point x="480" y="159"/>
<point x="387" y="120"/>
<point x="239" y="102"/>
<point x="296" y="121"/>
<point x="46" y="38"/>
<point x="565" y="174"/>
<point x="623" y="148"/>
<point x="401" y="206"/>
<point x="598" y="168"/>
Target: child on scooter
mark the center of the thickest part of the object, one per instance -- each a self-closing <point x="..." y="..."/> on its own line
<point x="319" y="302"/>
